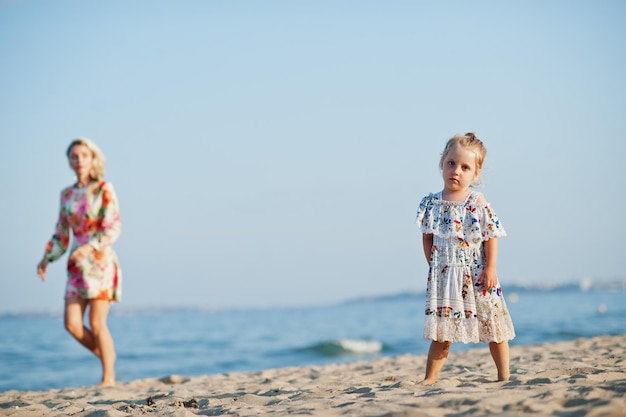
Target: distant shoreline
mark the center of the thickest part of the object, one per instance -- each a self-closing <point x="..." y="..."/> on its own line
<point x="583" y="285"/>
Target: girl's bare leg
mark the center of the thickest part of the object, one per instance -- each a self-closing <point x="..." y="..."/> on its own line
<point x="98" y="311"/>
<point x="500" y="355"/>
<point x="74" y="313"/>
<point x="437" y="355"/>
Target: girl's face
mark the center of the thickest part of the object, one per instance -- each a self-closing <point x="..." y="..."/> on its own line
<point x="81" y="160"/>
<point x="459" y="169"/>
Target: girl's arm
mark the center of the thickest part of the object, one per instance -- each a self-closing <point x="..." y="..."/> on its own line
<point x="489" y="277"/>
<point x="427" y="240"/>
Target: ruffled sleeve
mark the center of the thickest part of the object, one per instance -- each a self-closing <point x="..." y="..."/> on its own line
<point x="489" y="222"/>
<point x="427" y="216"/>
<point x="468" y="221"/>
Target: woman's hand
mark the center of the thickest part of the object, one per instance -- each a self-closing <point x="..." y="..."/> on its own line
<point x="41" y="268"/>
<point x="81" y="253"/>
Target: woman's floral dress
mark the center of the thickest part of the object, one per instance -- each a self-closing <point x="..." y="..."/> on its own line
<point x="458" y="309"/>
<point x="92" y="214"/>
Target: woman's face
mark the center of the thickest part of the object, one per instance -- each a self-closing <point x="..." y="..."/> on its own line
<point x="81" y="159"/>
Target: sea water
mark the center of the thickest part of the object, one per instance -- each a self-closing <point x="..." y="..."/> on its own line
<point x="36" y="353"/>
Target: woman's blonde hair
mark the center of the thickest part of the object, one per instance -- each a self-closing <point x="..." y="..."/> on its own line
<point x="97" y="166"/>
<point x="470" y="141"/>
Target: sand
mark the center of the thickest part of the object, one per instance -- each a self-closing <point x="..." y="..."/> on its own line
<point x="584" y="377"/>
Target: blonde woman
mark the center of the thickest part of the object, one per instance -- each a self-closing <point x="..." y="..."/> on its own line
<point x="89" y="208"/>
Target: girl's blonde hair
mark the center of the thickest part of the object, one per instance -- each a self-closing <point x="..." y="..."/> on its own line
<point x="97" y="166"/>
<point x="471" y="142"/>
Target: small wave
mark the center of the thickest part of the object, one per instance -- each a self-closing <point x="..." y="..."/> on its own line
<point x="346" y="347"/>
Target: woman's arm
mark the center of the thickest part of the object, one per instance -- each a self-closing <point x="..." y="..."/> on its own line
<point x="60" y="240"/>
<point x="57" y="245"/>
<point x="110" y="219"/>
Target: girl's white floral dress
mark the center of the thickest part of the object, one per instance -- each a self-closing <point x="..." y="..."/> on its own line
<point x="458" y="309"/>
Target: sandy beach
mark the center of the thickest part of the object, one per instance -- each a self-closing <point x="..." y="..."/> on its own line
<point x="584" y="377"/>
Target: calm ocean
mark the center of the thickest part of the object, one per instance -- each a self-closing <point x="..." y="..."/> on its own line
<point x="36" y="353"/>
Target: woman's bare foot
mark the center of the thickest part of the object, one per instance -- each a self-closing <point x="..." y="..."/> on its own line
<point x="106" y="383"/>
<point x="427" y="382"/>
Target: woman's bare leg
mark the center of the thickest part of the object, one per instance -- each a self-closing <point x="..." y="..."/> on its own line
<point x="74" y="313"/>
<point x="437" y="355"/>
<point x="98" y="312"/>
<point x="500" y="355"/>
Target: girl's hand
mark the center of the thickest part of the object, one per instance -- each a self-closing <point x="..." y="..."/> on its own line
<point x="488" y="278"/>
<point x="81" y="253"/>
<point x="41" y="269"/>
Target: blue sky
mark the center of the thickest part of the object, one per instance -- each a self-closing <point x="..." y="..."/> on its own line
<point x="274" y="153"/>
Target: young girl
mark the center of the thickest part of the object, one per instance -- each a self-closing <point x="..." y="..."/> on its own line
<point x="464" y="301"/>
<point x="89" y="209"/>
